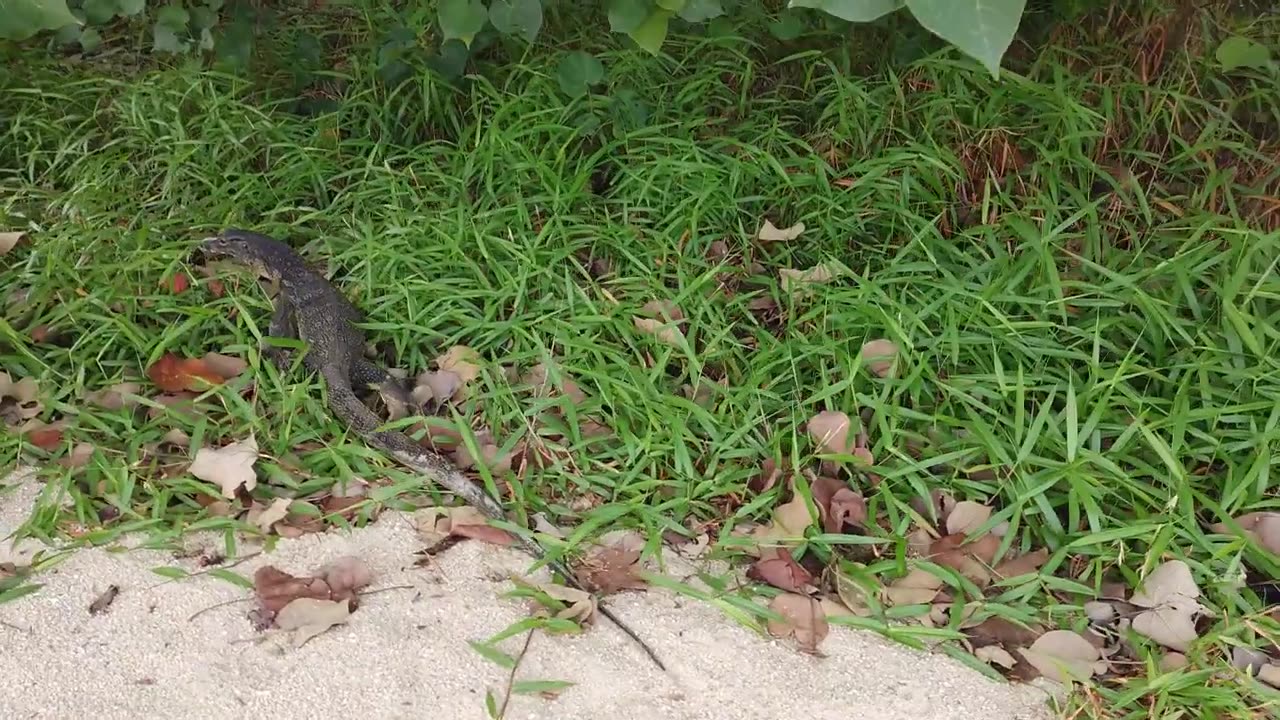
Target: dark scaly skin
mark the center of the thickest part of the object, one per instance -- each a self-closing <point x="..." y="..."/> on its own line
<point x="311" y="309"/>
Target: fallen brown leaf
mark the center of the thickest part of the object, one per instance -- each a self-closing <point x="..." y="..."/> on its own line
<point x="1063" y="655"/>
<point x="275" y="588"/>
<point x="224" y="366"/>
<point x="347" y="575"/>
<point x="1024" y="564"/>
<point x="437" y="387"/>
<point x="1262" y="528"/>
<point x="880" y="357"/>
<point x="769" y="233"/>
<point x="45" y="437"/>
<point x="995" y="655"/>
<point x="305" y="618"/>
<point x="610" y="569"/>
<point x="1001" y="631"/>
<point x="798" y="282"/>
<point x="462" y="361"/>
<point x="19" y="401"/>
<point x="229" y="467"/>
<point x="768" y="477"/>
<point x="829" y="430"/>
<point x="9" y="240"/>
<point x="966" y="517"/>
<point x="264" y="517"/>
<point x="120" y="395"/>
<point x="790" y="520"/>
<point x="802" y="618"/>
<point x="662" y="321"/>
<point x="580" y="605"/>
<point x="915" y="588"/>
<point x="777" y="568"/>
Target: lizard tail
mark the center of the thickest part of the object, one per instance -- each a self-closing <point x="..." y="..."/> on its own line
<point x="348" y="407"/>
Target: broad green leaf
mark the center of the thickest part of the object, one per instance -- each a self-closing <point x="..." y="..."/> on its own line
<point x="234" y="45"/>
<point x="174" y="17"/>
<point x="462" y="19"/>
<point x="451" y="61"/>
<point x="1236" y="52"/>
<point x="164" y="39"/>
<point x="90" y="39"/>
<point x="99" y="11"/>
<point x="674" y="6"/>
<point x="67" y="34"/>
<point x="20" y="19"/>
<point x="788" y="26"/>
<point x="652" y="32"/>
<point x="696" y="11"/>
<point x="577" y="72"/>
<point x="851" y="10"/>
<point x="202" y="18"/>
<point x="627" y="15"/>
<point x="981" y="29"/>
<point x="521" y="18"/>
<point x="131" y="7"/>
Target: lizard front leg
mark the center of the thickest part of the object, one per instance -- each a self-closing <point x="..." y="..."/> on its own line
<point x="283" y="325"/>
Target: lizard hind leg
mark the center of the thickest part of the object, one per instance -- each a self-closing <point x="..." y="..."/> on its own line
<point x="366" y="374"/>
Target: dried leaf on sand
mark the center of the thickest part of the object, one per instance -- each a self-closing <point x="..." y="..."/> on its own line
<point x="435" y="525"/>
<point x="803" y="619"/>
<point x="612" y="568"/>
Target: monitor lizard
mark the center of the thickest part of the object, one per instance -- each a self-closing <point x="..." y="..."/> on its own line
<point x="309" y="308"/>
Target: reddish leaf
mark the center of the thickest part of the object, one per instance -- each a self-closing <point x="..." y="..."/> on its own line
<point x="40" y="333"/>
<point x="216" y="288"/>
<point x="179" y="283"/>
<point x="174" y="374"/>
<point x="777" y="568"/>
<point x="47" y="438"/>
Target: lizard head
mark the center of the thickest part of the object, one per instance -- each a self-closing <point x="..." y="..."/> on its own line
<point x="264" y="253"/>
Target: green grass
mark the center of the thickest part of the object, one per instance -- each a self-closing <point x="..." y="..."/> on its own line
<point x="1097" y="359"/>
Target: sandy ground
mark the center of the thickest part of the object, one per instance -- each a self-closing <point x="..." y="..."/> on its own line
<point x="404" y="652"/>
